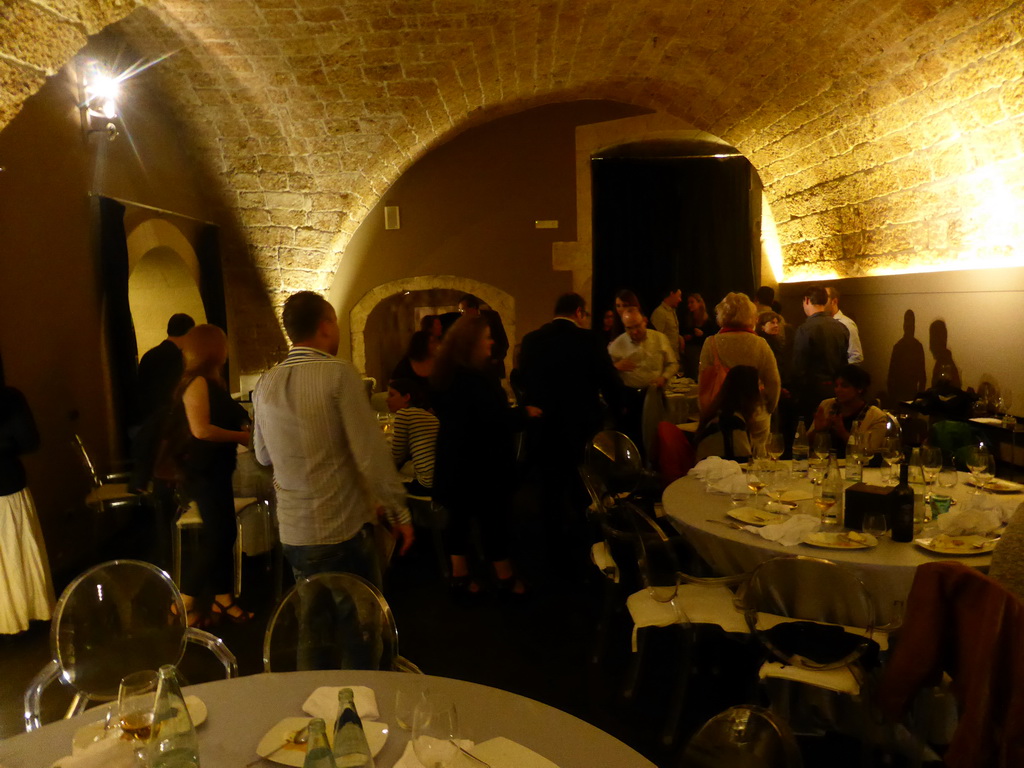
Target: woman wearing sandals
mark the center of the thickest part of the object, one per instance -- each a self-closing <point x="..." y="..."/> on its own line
<point x="209" y="425"/>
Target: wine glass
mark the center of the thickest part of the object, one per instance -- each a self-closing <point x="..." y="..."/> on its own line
<point x="987" y="473"/>
<point x="822" y="444"/>
<point x="775" y="446"/>
<point x="875" y="523"/>
<point x="825" y="500"/>
<point x="931" y="465"/>
<point x="948" y="479"/>
<point x="977" y="462"/>
<point x="434" y="726"/>
<point x="754" y="483"/>
<point x="892" y="455"/>
<point x="778" y="484"/>
<point x="136" y="698"/>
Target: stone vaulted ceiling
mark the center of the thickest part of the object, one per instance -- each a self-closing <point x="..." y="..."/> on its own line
<point x="889" y="133"/>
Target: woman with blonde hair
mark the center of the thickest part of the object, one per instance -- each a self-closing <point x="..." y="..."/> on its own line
<point x="208" y="425"/>
<point x="737" y="344"/>
<point x="475" y="464"/>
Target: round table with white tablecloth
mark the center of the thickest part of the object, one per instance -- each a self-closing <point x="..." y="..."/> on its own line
<point x="886" y="570"/>
<point x="243" y="709"/>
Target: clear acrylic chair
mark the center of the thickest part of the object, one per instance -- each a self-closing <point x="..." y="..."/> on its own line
<point x="117" y="617"/>
<point x="661" y="594"/>
<point x="747" y="736"/>
<point x="107" y="491"/>
<point x="333" y="621"/>
<point x="816" y="621"/>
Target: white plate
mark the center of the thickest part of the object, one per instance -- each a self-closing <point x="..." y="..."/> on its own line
<point x="87" y="734"/>
<point x="295" y="754"/>
<point x="844" y="540"/>
<point x="1000" y="486"/>
<point x="752" y="516"/>
<point x="958" y="545"/>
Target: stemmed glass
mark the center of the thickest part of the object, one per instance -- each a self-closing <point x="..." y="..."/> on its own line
<point x="136" y="698"/>
<point x="778" y="484"/>
<point x="931" y="465"/>
<point x="822" y="445"/>
<point x="754" y="482"/>
<point x="775" y="446"/>
<point x="892" y="455"/>
<point x="948" y="479"/>
<point x="978" y="459"/>
<point x="434" y="728"/>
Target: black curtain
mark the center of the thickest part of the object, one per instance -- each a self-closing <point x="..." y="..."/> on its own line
<point x="113" y="266"/>
<point x="211" y="280"/>
<point x="674" y="221"/>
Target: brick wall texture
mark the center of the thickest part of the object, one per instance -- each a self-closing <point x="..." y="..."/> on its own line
<point x="889" y="133"/>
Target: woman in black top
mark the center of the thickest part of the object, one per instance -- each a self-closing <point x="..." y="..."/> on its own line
<point x="475" y="470"/>
<point x="211" y="425"/>
<point x="418" y="362"/>
<point x="26" y="591"/>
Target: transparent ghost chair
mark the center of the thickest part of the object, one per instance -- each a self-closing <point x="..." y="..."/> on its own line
<point x="333" y="621"/>
<point x="118" y="617"/>
<point x="816" y="620"/>
<point x="743" y="737"/>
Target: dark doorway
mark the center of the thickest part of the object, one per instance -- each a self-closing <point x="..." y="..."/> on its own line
<point x="665" y="218"/>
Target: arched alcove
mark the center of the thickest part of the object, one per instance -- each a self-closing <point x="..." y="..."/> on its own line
<point x="497" y="299"/>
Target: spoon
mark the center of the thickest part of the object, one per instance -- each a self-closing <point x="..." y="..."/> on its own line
<point x="301" y="736"/>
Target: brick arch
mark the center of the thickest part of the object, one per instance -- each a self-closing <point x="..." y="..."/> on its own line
<point x="887" y="132"/>
<point x="498" y="300"/>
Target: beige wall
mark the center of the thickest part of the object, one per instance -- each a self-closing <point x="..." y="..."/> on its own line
<point x="468" y="209"/>
<point x="981" y="310"/>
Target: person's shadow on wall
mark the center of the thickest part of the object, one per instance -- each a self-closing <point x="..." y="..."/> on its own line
<point x="945" y="374"/>
<point x="906" y="364"/>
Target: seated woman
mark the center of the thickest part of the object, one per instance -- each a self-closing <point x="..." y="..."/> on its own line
<point x="723" y="431"/>
<point x="415" y="434"/>
<point x="849" y="411"/>
<point x="418" y="362"/>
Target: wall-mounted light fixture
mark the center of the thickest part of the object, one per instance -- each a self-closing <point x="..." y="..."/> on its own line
<point x="100" y="91"/>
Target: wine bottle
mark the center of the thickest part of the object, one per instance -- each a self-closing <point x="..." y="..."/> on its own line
<point x="801" y="450"/>
<point x="902" y="524"/>
<point x="318" y="750"/>
<point x="173" y="743"/>
<point x="350" y="747"/>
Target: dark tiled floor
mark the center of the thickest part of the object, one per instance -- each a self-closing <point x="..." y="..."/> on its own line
<point x="540" y="648"/>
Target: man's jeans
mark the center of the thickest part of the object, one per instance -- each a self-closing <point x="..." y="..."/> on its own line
<point x="358" y="555"/>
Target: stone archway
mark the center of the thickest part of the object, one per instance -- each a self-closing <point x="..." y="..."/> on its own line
<point x="500" y="301"/>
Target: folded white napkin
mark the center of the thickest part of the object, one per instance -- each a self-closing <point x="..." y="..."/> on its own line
<point x="409" y="759"/>
<point x="971" y="521"/>
<point x="788" y="533"/>
<point x="323" y="703"/>
<point x="714" y="465"/>
<point x="110" y="752"/>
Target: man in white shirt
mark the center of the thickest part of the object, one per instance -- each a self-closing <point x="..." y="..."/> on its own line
<point x="666" y="319"/>
<point x="332" y="466"/>
<point x="855" y="353"/>
<point x="642" y="356"/>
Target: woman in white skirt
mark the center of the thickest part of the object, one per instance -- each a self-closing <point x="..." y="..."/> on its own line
<point x="26" y="590"/>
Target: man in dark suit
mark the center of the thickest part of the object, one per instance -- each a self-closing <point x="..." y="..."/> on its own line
<point x="565" y="370"/>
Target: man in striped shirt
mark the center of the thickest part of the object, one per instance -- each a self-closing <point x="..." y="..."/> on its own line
<point x="332" y="468"/>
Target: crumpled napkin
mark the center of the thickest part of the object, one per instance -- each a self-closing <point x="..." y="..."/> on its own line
<point x="323" y="702"/>
<point x="409" y="759"/>
<point x="721" y="475"/>
<point x="109" y="752"/>
<point x="974" y="520"/>
<point x="788" y="533"/>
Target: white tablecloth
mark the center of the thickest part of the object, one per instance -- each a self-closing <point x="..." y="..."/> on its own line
<point x="242" y="710"/>
<point x="887" y="570"/>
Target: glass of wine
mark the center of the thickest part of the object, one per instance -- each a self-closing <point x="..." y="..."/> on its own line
<point x="775" y="446"/>
<point x="892" y="455"/>
<point x="931" y="465"/>
<point x="434" y="729"/>
<point x="755" y="483"/>
<point x="825" y="500"/>
<point x="778" y="484"/>
<point x="978" y="463"/>
<point x="822" y="444"/>
<point x="136" y="698"/>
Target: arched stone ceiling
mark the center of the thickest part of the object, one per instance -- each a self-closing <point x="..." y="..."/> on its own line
<point x="888" y="133"/>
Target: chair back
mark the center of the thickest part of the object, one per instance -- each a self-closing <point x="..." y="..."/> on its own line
<point x="785" y="598"/>
<point x="616" y="460"/>
<point x="83" y="454"/>
<point x="675" y="454"/>
<point x="744" y="736"/>
<point x="331" y="621"/>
